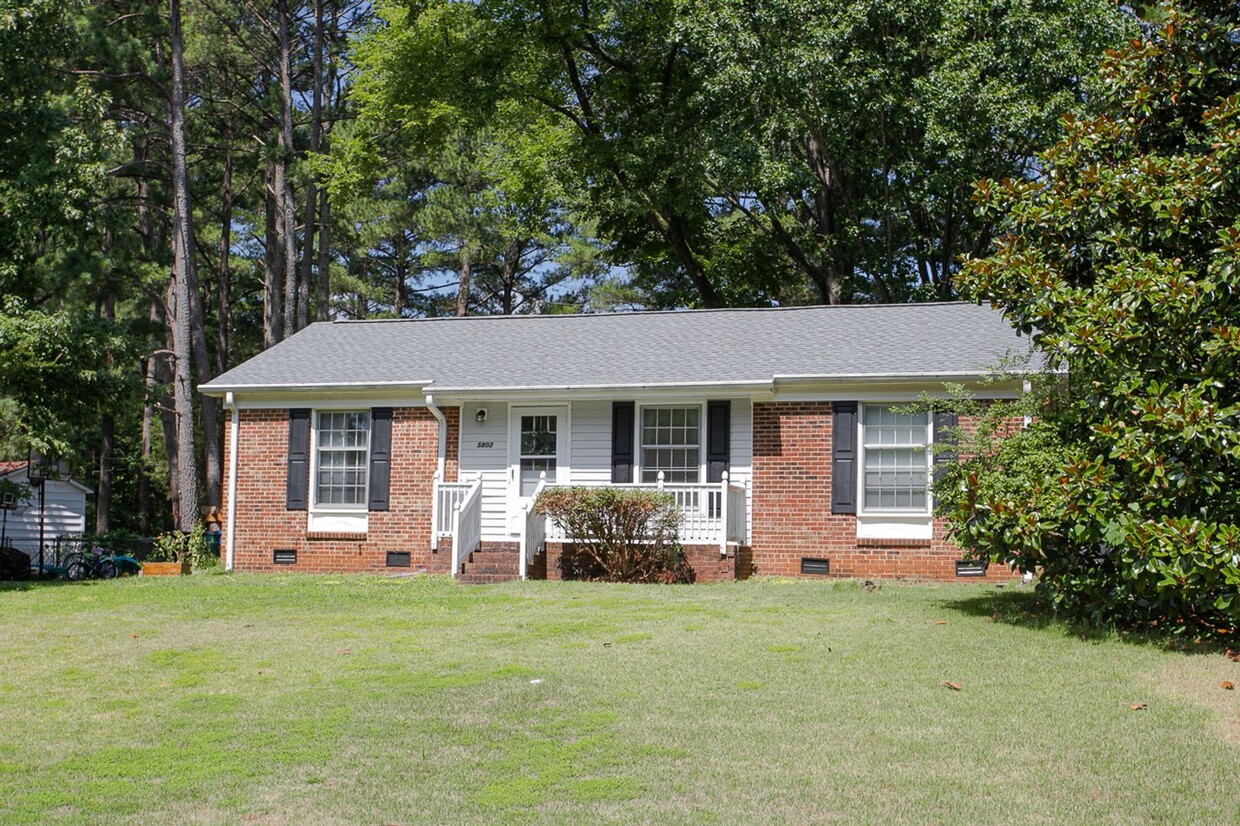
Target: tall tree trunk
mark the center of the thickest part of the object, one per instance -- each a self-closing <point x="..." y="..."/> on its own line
<point x="312" y="190"/>
<point x="462" y="292"/>
<point x="144" y="451"/>
<point x="273" y="260"/>
<point x="672" y="230"/>
<point x="107" y="422"/>
<point x="223" y="275"/>
<point x="147" y="233"/>
<point x="184" y="285"/>
<point x="323" y="292"/>
<point x="161" y="373"/>
<point x="284" y="163"/>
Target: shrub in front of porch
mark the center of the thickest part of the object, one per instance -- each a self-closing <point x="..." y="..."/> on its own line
<point x="618" y="534"/>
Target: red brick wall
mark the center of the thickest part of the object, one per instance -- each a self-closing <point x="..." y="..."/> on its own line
<point x="452" y="451"/>
<point x="792" y="507"/>
<point x="263" y="524"/>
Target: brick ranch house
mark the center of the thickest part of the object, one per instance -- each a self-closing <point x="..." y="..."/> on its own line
<point x="421" y="443"/>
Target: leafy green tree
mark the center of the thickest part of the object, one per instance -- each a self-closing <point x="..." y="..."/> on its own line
<point x="750" y="153"/>
<point x="1122" y="259"/>
<point x="850" y="133"/>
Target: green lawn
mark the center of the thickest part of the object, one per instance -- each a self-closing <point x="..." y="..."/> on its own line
<point x="289" y="700"/>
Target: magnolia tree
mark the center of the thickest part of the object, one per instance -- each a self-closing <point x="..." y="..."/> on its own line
<point x="1120" y="259"/>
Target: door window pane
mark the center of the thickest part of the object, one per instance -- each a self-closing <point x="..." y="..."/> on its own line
<point x="538" y="450"/>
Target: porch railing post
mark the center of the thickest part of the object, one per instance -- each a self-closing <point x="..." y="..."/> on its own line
<point x="435" y="480"/>
<point x="723" y="515"/>
<point x="456" y="540"/>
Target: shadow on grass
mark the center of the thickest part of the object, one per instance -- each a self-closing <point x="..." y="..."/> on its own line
<point x="7" y="585"/>
<point x="1025" y="609"/>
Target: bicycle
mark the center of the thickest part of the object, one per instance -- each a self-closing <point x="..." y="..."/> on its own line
<point x="93" y="565"/>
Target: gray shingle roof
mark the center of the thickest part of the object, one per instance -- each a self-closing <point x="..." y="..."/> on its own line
<point x="634" y="349"/>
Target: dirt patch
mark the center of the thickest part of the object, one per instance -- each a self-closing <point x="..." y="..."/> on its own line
<point x="1199" y="680"/>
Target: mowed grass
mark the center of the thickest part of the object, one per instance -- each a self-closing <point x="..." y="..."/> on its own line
<point x="367" y="700"/>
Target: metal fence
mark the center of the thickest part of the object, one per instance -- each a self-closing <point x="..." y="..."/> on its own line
<point x="57" y="549"/>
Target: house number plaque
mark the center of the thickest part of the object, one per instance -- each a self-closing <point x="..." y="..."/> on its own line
<point x="486" y="444"/>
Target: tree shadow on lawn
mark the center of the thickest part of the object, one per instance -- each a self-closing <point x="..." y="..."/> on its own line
<point x="18" y="585"/>
<point x="1025" y="609"/>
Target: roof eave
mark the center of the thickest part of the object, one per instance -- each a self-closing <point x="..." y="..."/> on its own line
<point x="292" y="388"/>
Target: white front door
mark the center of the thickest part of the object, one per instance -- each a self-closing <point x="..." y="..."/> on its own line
<point x="538" y="444"/>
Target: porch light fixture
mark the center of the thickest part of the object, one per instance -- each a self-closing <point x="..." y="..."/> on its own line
<point x="481" y="415"/>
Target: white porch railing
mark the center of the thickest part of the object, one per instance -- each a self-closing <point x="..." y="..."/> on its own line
<point x="533" y="529"/>
<point x="466" y="526"/>
<point x="710" y="514"/>
<point x="735" y="515"/>
<point x="447" y="496"/>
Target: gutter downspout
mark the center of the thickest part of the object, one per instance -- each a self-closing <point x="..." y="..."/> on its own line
<point x="230" y="403"/>
<point x="440" y="463"/>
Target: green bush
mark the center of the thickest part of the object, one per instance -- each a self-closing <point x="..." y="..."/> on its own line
<point x="183" y="546"/>
<point x="619" y="534"/>
<point x="1121" y="259"/>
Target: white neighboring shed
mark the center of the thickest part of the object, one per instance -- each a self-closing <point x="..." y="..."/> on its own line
<point x="64" y="511"/>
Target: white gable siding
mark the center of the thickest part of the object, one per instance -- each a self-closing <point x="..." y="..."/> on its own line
<point x="491" y="460"/>
<point x="589" y="454"/>
<point x="65" y="514"/>
<point x="590" y="446"/>
<point x="741" y="465"/>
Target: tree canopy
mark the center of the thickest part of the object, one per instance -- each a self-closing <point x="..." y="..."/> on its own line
<point x="740" y="153"/>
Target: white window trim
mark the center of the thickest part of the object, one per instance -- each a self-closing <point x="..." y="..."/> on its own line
<point x="328" y="509"/>
<point x="895" y="514"/>
<point x="637" y="437"/>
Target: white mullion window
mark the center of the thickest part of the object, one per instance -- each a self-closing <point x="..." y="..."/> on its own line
<point x="671" y="442"/>
<point x="895" y="461"/>
<point x="341" y="459"/>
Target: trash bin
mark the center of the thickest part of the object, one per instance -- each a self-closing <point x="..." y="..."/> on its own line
<point x="213" y="543"/>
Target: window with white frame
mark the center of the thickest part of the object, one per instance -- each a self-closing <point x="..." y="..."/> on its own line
<point x="341" y="451"/>
<point x="895" y="461"/>
<point x="671" y="442"/>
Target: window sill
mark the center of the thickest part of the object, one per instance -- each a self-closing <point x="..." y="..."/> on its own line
<point x="897" y="527"/>
<point x="874" y="542"/>
<point x="335" y="536"/>
<point x="338" y="522"/>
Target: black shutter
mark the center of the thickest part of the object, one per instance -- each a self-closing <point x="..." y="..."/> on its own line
<point x="297" y="488"/>
<point x="718" y="439"/>
<point x="844" y="457"/>
<point x="622" y="441"/>
<point x="945" y="425"/>
<point x="380" y="457"/>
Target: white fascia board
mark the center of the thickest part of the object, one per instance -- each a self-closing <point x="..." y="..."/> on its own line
<point x="893" y="389"/>
<point x="343" y="399"/>
<point x="220" y="390"/>
<point x="595" y="392"/>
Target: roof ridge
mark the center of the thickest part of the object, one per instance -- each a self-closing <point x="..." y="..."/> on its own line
<point x="694" y="311"/>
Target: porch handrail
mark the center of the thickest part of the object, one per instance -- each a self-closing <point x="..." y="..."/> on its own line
<point x="447" y="496"/>
<point x="735" y="518"/>
<point x="467" y="526"/>
<point x="711" y="513"/>
<point x="533" y="528"/>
